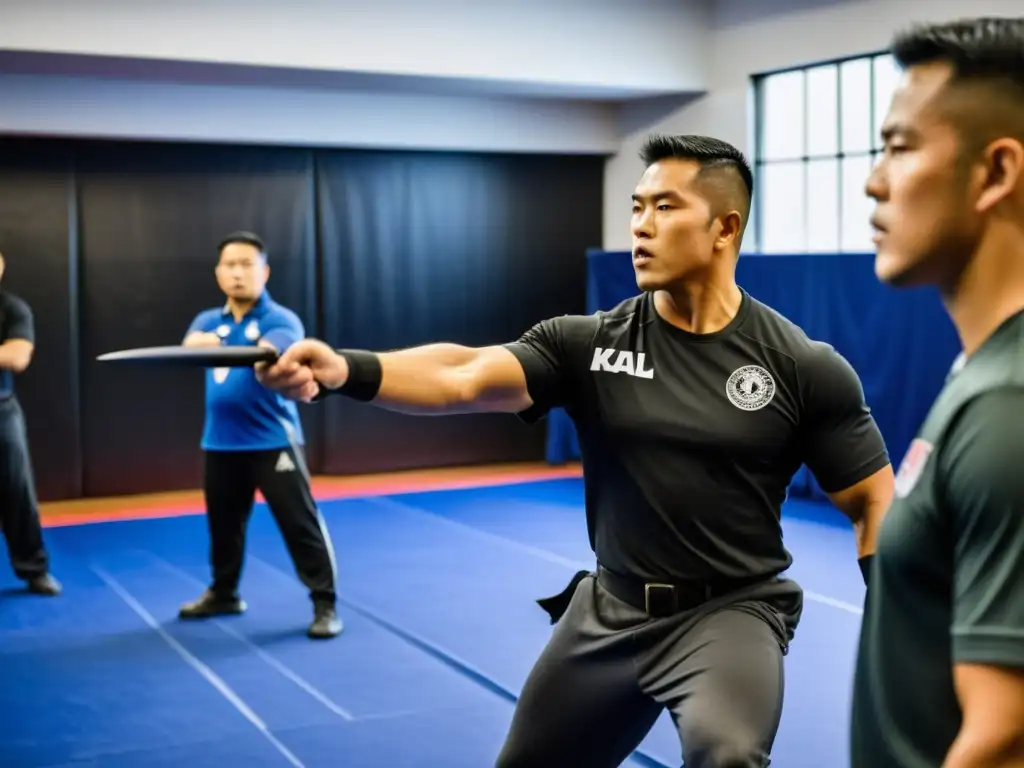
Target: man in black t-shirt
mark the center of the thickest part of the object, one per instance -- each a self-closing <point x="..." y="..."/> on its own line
<point x="19" y="510"/>
<point x="695" y="404"/>
<point x="940" y="673"/>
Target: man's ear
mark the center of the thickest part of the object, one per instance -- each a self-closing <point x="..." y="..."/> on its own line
<point x="1000" y="173"/>
<point x="731" y="227"/>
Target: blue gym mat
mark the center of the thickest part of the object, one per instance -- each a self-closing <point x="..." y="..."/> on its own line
<point x="441" y="629"/>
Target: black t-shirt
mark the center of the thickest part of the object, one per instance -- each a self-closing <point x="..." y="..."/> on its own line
<point x="15" y="323"/>
<point x="689" y="442"/>
<point x="947" y="586"/>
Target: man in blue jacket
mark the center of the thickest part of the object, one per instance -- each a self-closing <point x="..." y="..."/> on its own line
<point x="253" y="439"/>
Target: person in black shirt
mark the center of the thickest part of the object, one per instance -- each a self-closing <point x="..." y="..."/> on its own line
<point x="695" y="405"/>
<point x="19" y="510"/>
<point x="940" y="671"/>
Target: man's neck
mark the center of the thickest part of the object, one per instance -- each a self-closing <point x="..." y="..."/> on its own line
<point x="699" y="306"/>
<point x="989" y="291"/>
<point x="238" y="308"/>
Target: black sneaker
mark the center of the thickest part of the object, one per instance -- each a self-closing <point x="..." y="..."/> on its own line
<point x="326" y="623"/>
<point x="209" y="605"/>
<point x="44" y="585"/>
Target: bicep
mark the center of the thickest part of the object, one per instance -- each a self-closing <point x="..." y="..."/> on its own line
<point x="495" y="380"/>
<point x="841" y="443"/>
<point x="549" y="356"/>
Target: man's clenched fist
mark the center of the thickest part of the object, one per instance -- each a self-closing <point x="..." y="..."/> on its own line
<point x="302" y="369"/>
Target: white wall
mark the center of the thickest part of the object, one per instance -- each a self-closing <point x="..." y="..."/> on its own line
<point x="750" y="37"/>
<point x="124" y="109"/>
<point x="503" y="76"/>
<point x="641" y="46"/>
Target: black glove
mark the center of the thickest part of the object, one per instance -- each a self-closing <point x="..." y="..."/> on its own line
<point x="557" y="605"/>
<point x="865" y="568"/>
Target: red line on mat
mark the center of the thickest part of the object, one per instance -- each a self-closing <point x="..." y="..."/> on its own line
<point x="323" y="489"/>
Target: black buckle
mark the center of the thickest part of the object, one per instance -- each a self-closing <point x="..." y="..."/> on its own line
<point x="660" y="600"/>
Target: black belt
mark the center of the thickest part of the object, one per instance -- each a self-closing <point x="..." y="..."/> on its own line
<point x="661" y="599"/>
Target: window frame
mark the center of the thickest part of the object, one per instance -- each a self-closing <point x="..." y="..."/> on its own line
<point x="759" y="162"/>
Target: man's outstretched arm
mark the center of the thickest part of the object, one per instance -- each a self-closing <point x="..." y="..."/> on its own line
<point x="528" y="377"/>
<point x="435" y="379"/>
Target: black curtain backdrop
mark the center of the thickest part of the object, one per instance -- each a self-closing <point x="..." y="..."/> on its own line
<point x="150" y="218"/>
<point x="37" y="239"/>
<point x="421" y="248"/>
<point x="113" y="245"/>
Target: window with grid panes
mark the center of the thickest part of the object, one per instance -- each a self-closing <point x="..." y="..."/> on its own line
<point x="817" y="137"/>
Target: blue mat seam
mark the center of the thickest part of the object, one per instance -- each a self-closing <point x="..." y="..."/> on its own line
<point x="462" y="667"/>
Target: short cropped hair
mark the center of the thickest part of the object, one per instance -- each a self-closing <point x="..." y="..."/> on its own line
<point x="986" y="60"/>
<point x="244" y="238"/>
<point x="710" y="153"/>
<point x="984" y="48"/>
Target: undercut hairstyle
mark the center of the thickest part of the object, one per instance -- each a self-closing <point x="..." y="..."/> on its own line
<point x="244" y="238"/>
<point x="986" y="58"/>
<point x="724" y="170"/>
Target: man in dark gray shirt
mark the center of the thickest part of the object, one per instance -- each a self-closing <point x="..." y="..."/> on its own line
<point x="940" y="674"/>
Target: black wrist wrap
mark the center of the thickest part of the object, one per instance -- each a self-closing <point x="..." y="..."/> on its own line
<point x="364" y="377"/>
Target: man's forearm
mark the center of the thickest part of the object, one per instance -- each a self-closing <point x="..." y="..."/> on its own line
<point x="14" y="357"/>
<point x="442" y="379"/>
<point x="867" y="525"/>
<point x="976" y="750"/>
<point x="201" y="339"/>
<point x="865" y="505"/>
